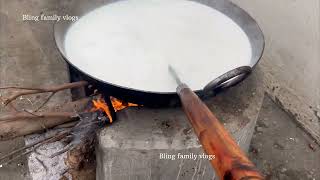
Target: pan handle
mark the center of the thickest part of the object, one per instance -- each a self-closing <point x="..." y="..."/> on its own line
<point x="229" y="78"/>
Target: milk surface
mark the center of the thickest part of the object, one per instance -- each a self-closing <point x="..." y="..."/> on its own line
<point x="130" y="44"/>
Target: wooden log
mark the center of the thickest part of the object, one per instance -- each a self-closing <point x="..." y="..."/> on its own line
<point x="23" y="123"/>
<point x="80" y="160"/>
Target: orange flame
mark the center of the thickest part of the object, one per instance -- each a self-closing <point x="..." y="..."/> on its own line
<point x="117" y="104"/>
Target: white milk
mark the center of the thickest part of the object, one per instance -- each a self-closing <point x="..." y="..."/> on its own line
<point x="130" y="43"/>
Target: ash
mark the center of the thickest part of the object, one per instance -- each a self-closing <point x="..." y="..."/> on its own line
<point x="42" y="166"/>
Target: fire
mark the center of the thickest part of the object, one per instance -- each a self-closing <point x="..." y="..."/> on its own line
<point x="117" y="104"/>
<point x="100" y="104"/>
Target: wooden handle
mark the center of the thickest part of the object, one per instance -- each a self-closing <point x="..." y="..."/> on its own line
<point x="229" y="162"/>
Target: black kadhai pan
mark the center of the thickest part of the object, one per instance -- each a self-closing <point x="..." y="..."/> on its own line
<point x="220" y="78"/>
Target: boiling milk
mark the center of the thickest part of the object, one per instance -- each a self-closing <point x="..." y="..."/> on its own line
<point x="130" y="43"/>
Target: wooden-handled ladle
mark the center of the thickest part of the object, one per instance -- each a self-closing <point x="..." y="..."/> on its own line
<point x="230" y="162"/>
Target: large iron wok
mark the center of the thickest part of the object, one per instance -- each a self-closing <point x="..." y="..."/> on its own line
<point x="239" y="16"/>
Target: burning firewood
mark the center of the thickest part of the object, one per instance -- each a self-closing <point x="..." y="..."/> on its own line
<point x="117" y="104"/>
<point x="82" y="137"/>
<point x="82" y="148"/>
<point x="83" y="117"/>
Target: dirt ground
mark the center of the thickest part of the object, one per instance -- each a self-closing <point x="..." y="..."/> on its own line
<point x="281" y="150"/>
<point x="18" y="169"/>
